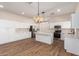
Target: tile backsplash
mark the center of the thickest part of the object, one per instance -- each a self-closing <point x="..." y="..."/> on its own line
<point x="21" y="30"/>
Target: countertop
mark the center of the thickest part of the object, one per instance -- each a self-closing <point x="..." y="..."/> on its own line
<point x="44" y="33"/>
<point x="72" y="36"/>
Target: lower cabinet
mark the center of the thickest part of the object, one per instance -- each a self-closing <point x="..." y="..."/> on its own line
<point x="44" y="37"/>
<point x="72" y="45"/>
<point x="10" y="37"/>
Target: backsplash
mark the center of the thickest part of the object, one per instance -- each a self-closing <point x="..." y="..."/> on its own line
<point x="77" y="31"/>
<point x="21" y="30"/>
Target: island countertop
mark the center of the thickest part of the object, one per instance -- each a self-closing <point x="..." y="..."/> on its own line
<point x="44" y="33"/>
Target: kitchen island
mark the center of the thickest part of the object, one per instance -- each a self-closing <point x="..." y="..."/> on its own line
<point x="45" y="37"/>
<point x="71" y="43"/>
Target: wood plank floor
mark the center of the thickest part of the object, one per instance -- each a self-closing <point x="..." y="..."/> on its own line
<point x="30" y="47"/>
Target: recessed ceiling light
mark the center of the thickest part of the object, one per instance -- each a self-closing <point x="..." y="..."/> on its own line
<point x="22" y="13"/>
<point x="1" y="6"/>
<point x="58" y="10"/>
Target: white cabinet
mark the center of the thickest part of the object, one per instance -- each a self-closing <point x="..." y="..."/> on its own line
<point x="44" y="37"/>
<point x="6" y="37"/>
<point x="72" y="45"/>
<point x="75" y="20"/>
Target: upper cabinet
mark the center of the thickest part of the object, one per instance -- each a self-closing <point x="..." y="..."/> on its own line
<point x="75" y="20"/>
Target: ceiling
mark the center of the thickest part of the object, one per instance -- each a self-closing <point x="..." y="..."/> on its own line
<point x="30" y="8"/>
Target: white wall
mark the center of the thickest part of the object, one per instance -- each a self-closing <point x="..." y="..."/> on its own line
<point x="65" y="24"/>
<point x="61" y="18"/>
<point x="8" y="24"/>
<point x="45" y="26"/>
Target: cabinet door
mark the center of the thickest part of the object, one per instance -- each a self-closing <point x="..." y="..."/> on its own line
<point x="44" y="38"/>
<point x="75" y="20"/>
<point x="72" y="45"/>
<point x="3" y="36"/>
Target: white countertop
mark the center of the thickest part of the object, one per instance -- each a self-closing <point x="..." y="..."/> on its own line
<point x="44" y="33"/>
<point x="73" y="36"/>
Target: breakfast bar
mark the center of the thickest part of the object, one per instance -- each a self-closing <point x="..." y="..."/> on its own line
<point x="45" y="37"/>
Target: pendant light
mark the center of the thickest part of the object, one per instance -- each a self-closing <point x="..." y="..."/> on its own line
<point x="38" y="18"/>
